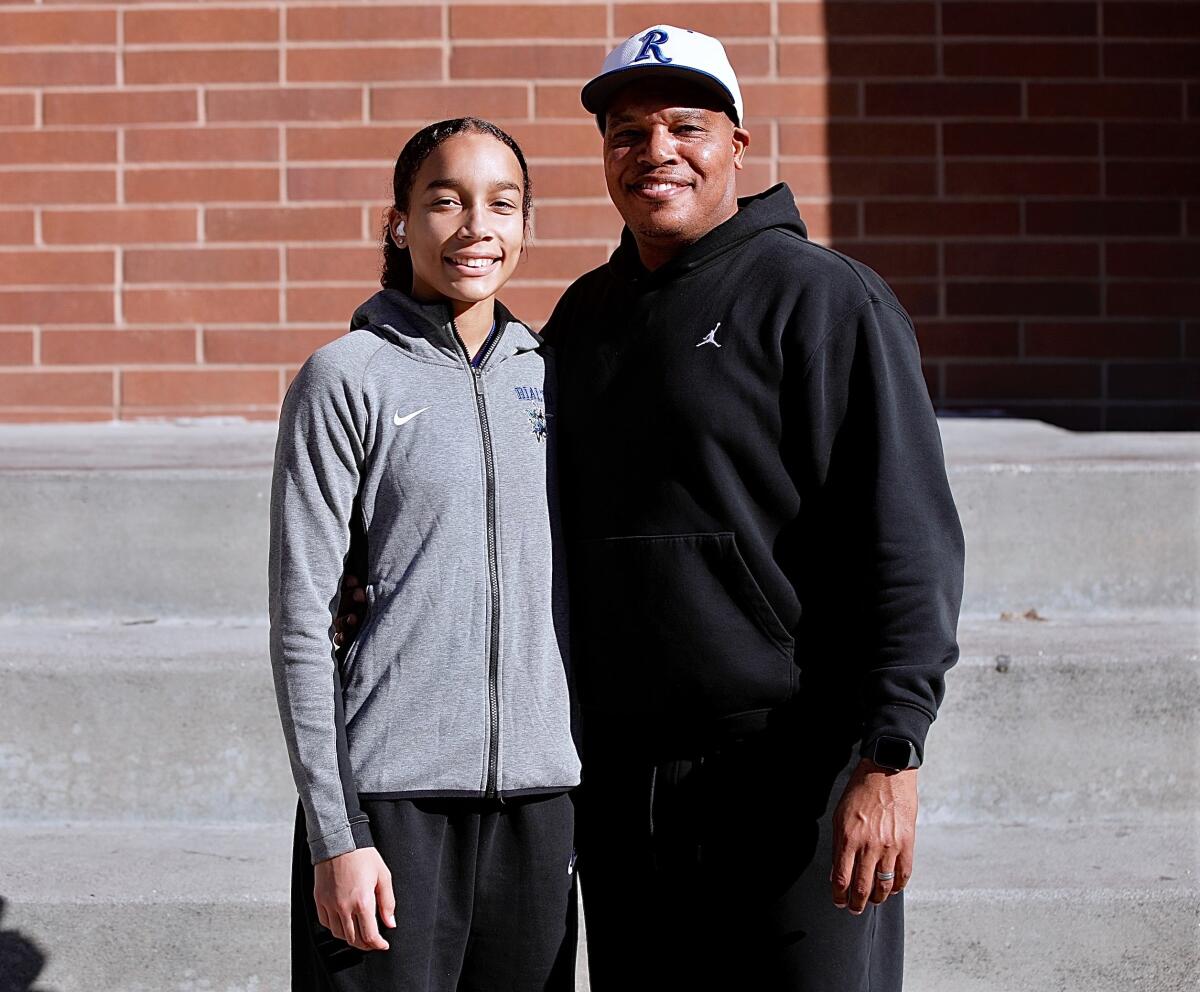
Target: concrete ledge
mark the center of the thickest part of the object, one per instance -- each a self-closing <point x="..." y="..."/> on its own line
<point x="1109" y="942"/>
<point x="200" y="446"/>
<point x="156" y="721"/>
<point x="1078" y="717"/>
<point x="1024" y="445"/>
<point x="1098" y="906"/>
<point x="1103" y="908"/>
<point x="1070" y="718"/>
<point x="155" y="520"/>
<point x="205" y="445"/>
<point x="134" y="544"/>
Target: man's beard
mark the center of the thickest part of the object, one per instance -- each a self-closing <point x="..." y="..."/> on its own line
<point x="666" y="229"/>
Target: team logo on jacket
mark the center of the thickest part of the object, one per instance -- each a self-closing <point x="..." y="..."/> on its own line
<point x="537" y="422"/>
<point x="537" y="412"/>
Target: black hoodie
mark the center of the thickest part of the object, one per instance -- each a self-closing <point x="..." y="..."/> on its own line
<point x="754" y="488"/>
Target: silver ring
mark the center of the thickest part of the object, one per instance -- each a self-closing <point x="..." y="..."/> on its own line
<point x="885" y="876"/>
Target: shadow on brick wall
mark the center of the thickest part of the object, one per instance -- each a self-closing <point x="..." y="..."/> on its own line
<point x="1027" y="177"/>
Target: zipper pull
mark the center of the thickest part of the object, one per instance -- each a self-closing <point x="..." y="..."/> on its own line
<point x="478" y="381"/>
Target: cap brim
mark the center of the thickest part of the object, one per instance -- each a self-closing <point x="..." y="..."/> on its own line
<point x="597" y="94"/>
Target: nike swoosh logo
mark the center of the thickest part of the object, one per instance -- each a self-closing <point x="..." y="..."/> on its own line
<point x="400" y="421"/>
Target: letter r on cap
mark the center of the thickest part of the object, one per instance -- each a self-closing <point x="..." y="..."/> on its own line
<point x="650" y="46"/>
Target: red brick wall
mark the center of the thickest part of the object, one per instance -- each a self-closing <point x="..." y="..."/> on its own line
<point x="190" y="192"/>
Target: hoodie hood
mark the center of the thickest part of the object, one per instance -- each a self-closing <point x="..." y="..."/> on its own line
<point x="426" y="331"/>
<point x="774" y="208"/>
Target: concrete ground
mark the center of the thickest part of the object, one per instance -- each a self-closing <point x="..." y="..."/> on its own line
<point x="145" y="800"/>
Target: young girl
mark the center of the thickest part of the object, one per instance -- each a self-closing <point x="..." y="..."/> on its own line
<point x="434" y="760"/>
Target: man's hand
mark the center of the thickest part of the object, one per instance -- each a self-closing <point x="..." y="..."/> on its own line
<point x="353" y="601"/>
<point x="874" y="827"/>
<point x="348" y="889"/>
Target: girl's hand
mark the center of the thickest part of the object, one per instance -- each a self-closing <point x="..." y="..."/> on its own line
<point x="348" y="889"/>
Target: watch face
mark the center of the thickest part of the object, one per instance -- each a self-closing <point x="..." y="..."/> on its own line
<point x="893" y="752"/>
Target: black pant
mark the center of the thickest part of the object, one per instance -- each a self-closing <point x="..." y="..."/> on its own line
<point x="484" y="901"/>
<point x="712" y="872"/>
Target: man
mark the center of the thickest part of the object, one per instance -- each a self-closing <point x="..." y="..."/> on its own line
<point x="766" y="563"/>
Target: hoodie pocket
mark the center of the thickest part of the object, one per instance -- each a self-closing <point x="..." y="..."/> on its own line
<point x="675" y="626"/>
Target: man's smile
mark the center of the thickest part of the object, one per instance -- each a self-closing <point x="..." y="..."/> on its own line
<point x="656" y="189"/>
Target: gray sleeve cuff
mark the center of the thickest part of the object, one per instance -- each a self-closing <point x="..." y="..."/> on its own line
<point x="349" y="838"/>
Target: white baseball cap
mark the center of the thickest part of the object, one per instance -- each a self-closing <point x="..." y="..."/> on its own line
<point x="664" y="50"/>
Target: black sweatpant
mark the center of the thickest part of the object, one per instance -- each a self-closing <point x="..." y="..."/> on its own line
<point x="484" y="901"/>
<point x="712" y="872"/>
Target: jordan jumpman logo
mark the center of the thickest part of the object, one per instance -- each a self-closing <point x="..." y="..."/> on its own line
<point x="711" y="338"/>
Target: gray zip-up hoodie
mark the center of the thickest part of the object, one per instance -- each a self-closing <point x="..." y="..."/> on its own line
<point x="443" y="474"/>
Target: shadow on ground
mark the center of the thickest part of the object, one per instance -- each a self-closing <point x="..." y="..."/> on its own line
<point x="21" y="961"/>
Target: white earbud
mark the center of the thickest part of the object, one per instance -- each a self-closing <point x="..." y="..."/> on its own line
<point x="399" y="231"/>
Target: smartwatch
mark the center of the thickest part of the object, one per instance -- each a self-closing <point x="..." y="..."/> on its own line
<point x="894" y="753"/>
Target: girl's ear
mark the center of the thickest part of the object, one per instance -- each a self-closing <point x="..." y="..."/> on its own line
<point x="395" y="222"/>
